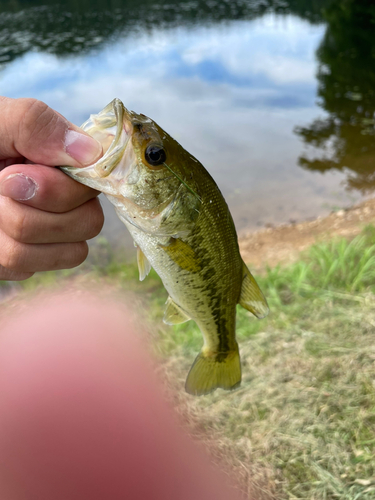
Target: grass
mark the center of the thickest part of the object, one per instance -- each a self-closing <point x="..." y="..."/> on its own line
<point x="306" y="407"/>
<point x="302" y="424"/>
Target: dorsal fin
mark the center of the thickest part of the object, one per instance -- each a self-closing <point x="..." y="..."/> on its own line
<point x="173" y="314"/>
<point x="144" y="267"/>
<point x="252" y="297"/>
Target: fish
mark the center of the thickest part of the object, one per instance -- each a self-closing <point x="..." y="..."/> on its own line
<point x="182" y="227"/>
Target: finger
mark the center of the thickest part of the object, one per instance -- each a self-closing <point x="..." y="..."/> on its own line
<point x="83" y="415"/>
<point x="30" y="225"/>
<point x="26" y="258"/>
<point x="7" y="275"/>
<point x="10" y="161"/>
<point x="31" y="129"/>
<point x="44" y="188"/>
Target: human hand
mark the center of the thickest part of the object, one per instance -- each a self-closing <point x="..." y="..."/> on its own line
<point x="45" y="216"/>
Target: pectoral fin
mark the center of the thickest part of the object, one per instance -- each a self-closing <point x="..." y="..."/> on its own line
<point x="252" y="297"/>
<point x="173" y="314"/>
<point x="182" y="254"/>
<point x="144" y="266"/>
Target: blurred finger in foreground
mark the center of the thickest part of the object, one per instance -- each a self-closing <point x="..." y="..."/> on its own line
<point x="82" y="415"/>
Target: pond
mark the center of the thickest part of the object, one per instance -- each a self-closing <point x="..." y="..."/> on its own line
<point x="275" y="98"/>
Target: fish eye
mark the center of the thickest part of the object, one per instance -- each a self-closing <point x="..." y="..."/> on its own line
<point x="155" y="155"/>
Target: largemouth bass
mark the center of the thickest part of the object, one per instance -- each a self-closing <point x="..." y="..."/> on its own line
<point x="182" y="227"/>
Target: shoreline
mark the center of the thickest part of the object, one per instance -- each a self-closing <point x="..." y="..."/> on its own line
<point x="283" y="244"/>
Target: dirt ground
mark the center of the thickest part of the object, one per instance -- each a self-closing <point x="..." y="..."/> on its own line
<point x="282" y="244"/>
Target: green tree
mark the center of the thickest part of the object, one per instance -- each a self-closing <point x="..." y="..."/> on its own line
<point x="75" y="26"/>
<point x="346" y="91"/>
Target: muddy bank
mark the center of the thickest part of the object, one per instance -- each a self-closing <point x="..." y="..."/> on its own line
<point x="282" y="244"/>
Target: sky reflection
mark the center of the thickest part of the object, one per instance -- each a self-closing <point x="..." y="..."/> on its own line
<point x="231" y="93"/>
<point x="272" y="56"/>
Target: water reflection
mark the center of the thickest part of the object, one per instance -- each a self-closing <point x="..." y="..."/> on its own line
<point x="229" y="79"/>
<point x="78" y="26"/>
<point x="346" y="75"/>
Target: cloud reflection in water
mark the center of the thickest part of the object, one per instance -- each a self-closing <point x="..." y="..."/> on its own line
<point x="231" y="93"/>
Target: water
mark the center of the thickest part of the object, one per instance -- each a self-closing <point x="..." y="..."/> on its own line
<point x="276" y="99"/>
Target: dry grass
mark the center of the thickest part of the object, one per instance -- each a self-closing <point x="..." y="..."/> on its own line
<point x="303" y="420"/>
<point x="302" y="424"/>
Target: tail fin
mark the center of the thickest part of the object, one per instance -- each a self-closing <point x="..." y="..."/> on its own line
<point x="210" y="371"/>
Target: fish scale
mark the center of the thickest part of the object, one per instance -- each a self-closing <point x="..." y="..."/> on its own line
<point x="182" y="227"/>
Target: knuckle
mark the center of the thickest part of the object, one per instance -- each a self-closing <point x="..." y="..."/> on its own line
<point x="79" y="254"/>
<point x="96" y="219"/>
<point x="37" y="120"/>
<point x="32" y="109"/>
<point x="13" y="257"/>
<point x="8" y="275"/>
<point x="18" y="230"/>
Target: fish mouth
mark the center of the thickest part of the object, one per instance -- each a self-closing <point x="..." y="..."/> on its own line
<point x="113" y="128"/>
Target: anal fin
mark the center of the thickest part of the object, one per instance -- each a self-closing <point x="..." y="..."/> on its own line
<point x="252" y="297"/>
<point x="173" y="314"/>
<point x="144" y="266"/>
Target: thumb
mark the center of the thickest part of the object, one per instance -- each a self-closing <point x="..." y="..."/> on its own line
<point x="31" y="129"/>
